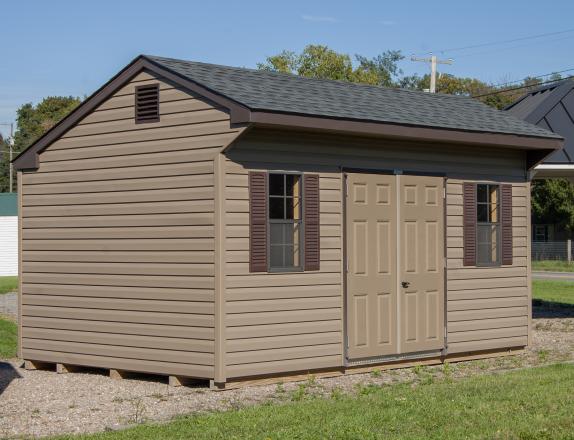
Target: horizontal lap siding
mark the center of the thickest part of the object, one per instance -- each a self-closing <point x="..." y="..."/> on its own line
<point x="118" y="238"/>
<point x="487" y="308"/>
<point x="281" y="322"/>
<point x="294" y="321"/>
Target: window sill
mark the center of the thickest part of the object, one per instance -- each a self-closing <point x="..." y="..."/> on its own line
<point x="286" y="270"/>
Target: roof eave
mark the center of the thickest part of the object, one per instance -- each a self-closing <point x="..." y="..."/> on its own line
<point x="405" y="132"/>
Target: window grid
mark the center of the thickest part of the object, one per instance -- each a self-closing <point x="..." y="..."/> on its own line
<point x="287" y="243"/>
<point x="488" y="248"/>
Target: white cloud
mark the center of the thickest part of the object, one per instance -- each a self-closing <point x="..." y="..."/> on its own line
<point x="319" y="19"/>
<point x="387" y="23"/>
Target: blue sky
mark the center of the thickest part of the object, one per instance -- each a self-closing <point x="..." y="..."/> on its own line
<point x="63" y="47"/>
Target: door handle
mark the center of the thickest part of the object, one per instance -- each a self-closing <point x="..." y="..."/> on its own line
<point x="405" y="284"/>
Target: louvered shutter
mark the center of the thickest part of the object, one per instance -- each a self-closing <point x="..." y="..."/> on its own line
<point x="469" y="223"/>
<point x="311" y="221"/>
<point x="147" y="103"/>
<point x="257" y="221"/>
<point x="506" y="223"/>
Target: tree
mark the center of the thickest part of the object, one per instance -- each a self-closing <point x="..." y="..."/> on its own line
<point x="318" y="61"/>
<point x="4" y="165"/>
<point x="33" y="121"/>
<point x="553" y="202"/>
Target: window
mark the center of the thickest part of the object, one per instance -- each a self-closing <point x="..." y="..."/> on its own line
<point x="147" y="103"/>
<point x="285" y="224"/>
<point x="487" y="225"/>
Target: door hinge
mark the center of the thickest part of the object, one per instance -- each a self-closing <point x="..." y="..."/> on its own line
<point x="444" y="193"/>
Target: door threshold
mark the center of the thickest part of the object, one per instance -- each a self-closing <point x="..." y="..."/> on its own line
<point x="395" y="357"/>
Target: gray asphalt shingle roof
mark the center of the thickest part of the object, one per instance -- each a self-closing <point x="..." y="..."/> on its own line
<point x="278" y="92"/>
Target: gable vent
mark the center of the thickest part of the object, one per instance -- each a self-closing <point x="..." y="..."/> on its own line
<point x="147" y="103"/>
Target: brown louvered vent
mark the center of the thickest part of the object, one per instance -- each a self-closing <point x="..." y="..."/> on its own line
<point x="147" y="103"/>
<point x="311" y="221"/>
<point x="469" y="223"/>
<point x="257" y="221"/>
<point x="506" y="223"/>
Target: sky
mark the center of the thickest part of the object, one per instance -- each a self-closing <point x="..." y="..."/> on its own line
<point x="61" y="47"/>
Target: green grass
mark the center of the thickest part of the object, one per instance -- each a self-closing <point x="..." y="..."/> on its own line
<point x="536" y="403"/>
<point x="551" y="291"/>
<point x="553" y="266"/>
<point x="8" y="339"/>
<point x="8" y="284"/>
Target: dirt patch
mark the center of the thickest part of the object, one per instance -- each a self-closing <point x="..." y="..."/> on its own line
<point x="40" y="403"/>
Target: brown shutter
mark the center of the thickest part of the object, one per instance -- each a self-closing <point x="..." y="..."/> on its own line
<point x="469" y="223"/>
<point x="506" y="223"/>
<point x="257" y="221"/>
<point x="311" y="221"/>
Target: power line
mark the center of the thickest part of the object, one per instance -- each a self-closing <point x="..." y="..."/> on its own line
<point x="494" y="43"/>
<point x="523" y="87"/>
<point x="500" y="49"/>
<point x="533" y="77"/>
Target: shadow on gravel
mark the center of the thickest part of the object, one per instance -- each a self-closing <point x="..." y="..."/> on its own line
<point x="7" y="374"/>
<point x="549" y="309"/>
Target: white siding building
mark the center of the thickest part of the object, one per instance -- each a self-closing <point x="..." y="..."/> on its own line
<point x="8" y="234"/>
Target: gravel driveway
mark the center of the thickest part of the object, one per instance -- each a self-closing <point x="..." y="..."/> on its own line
<point x="40" y="403"/>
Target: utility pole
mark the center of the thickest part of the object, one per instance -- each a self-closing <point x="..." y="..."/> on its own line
<point x="11" y="153"/>
<point x="433" y="60"/>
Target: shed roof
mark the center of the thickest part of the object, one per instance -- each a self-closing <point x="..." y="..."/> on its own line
<point x="552" y="107"/>
<point x="281" y="92"/>
<point x="257" y="97"/>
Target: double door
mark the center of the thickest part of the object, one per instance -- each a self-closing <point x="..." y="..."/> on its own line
<point x="395" y="264"/>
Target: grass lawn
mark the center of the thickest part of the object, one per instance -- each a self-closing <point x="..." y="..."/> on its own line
<point x="8" y="284"/>
<point x="553" y="291"/>
<point x="553" y="266"/>
<point x="8" y="339"/>
<point x="537" y="403"/>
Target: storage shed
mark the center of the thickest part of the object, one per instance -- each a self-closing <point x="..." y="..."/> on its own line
<point x="196" y="220"/>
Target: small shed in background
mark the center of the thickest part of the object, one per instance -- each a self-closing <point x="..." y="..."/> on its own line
<point x="8" y="234"/>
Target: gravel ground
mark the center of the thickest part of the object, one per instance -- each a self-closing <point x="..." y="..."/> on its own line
<point x="9" y="305"/>
<point x="40" y="403"/>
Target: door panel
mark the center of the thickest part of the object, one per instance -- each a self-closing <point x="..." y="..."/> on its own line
<point x="371" y="281"/>
<point x="422" y="294"/>
<point x="385" y="317"/>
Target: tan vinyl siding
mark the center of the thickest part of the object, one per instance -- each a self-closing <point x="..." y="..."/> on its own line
<point x="487" y="308"/>
<point x="283" y="321"/>
<point x="280" y="322"/>
<point x="118" y="238"/>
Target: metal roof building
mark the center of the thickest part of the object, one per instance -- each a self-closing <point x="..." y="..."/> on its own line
<point x="551" y="107"/>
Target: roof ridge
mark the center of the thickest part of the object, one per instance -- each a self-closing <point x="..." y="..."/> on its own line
<point x="308" y="78"/>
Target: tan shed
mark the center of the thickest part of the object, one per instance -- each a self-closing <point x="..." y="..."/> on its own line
<point x="204" y="221"/>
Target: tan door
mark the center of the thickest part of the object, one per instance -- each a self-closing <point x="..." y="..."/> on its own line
<point x="421" y="269"/>
<point x="394" y="236"/>
<point x="371" y="258"/>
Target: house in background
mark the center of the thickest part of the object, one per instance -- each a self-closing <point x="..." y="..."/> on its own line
<point x="196" y="220"/>
<point x="551" y="107"/>
<point x="8" y="234"/>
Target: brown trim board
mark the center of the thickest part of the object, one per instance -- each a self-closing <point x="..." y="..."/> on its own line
<point x="405" y="131"/>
